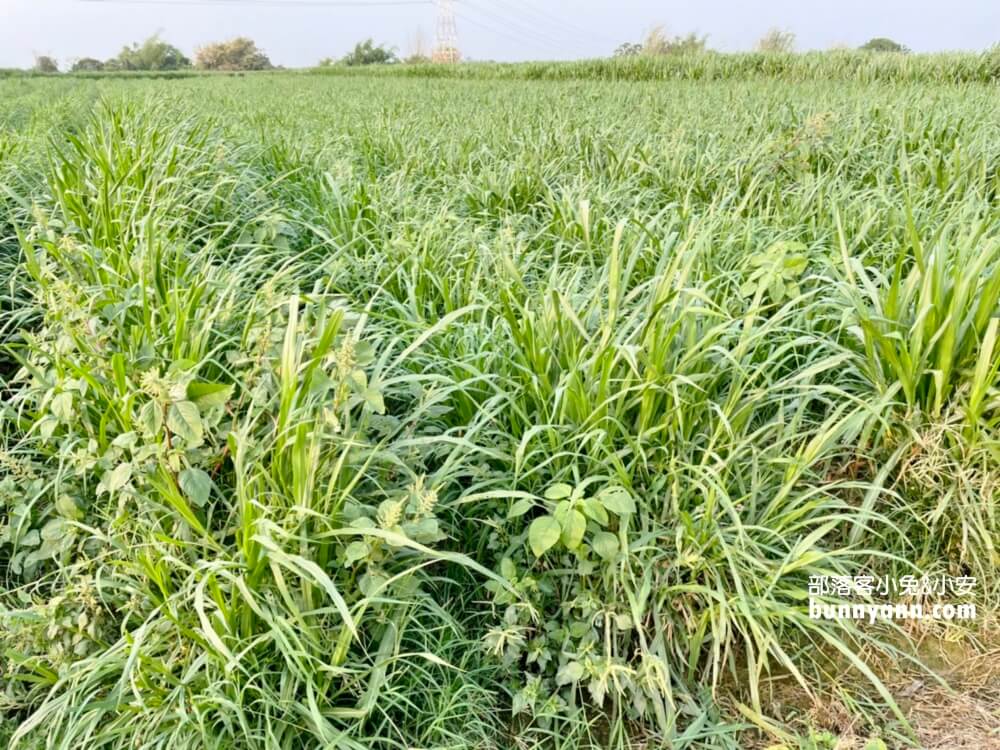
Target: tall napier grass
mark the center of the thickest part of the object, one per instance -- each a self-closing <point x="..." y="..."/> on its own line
<point x="838" y="65"/>
<point x="362" y="412"/>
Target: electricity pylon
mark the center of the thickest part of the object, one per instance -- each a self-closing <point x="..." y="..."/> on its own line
<point x="446" y="49"/>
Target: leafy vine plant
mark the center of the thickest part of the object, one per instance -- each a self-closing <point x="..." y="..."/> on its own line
<point x="565" y="624"/>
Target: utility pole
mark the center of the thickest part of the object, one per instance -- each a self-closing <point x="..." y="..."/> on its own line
<point x="446" y="50"/>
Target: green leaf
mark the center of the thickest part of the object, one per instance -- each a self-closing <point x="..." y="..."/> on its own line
<point x="359" y="379"/>
<point x="573" y="528"/>
<point x="777" y="289"/>
<point x="558" y="491"/>
<point x="569" y="673"/>
<point x="184" y="421"/>
<point x="151" y="418"/>
<point x="197" y="485"/>
<point x="595" y="511"/>
<point x="373" y="397"/>
<point x="356" y="551"/>
<point x="54" y="530"/>
<point x="425" y="531"/>
<point x="66" y="507"/>
<point x="207" y="395"/>
<point x="47" y="427"/>
<point x="181" y="366"/>
<point x="521" y="507"/>
<point x="62" y="406"/>
<point x="118" y="478"/>
<point x="605" y="544"/>
<point x="364" y="353"/>
<point x="125" y="441"/>
<point x="617" y="500"/>
<point x="544" y="533"/>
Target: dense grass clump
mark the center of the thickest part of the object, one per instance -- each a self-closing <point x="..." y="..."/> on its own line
<point x="366" y="412"/>
<point x="846" y="65"/>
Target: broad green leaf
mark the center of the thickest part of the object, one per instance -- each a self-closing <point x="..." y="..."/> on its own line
<point x="364" y="353"/>
<point x="373" y="398"/>
<point x="573" y="528"/>
<point x="47" y="427"/>
<point x="126" y="441"/>
<point x="605" y="544"/>
<point x="595" y="511"/>
<point x="54" y="530"/>
<point x="151" y="418"/>
<point x="425" y="531"/>
<point x="356" y="551"/>
<point x="118" y="477"/>
<point x="197" y="485"/>
<point x="181" y="366"/>
<point x="184" y="421"/>
<point x="617" y="500"/>
<point x="62" y="406"/>
<point x="207" y="395"/>
<point x="359" y="378"/>
<point x="558" y="491"/>
<point x="543" y="534"/>
<point x="521" y="507"/>
<point x="569" y="673"/>
<point x="67" y="508"/>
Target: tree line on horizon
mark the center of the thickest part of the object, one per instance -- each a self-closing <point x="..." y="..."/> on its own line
<point x="776" y="40"/>
<point x="243" y="54"/>
<point x="155" y="54"/>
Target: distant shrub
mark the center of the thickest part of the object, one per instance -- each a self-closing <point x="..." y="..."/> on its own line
<point x="628" y="49"/>
<point x="152" y="54"/>
<point x="88" y="65"/>
<point x="882" y="44"/>
<point x="45" y="64"/>
<point x="657" y="43"/>
<point x="240" y="53"/>
<point x="777" y="40"/>
<point x="369" y="53"/>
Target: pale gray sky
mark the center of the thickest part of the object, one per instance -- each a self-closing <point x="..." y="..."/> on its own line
<point x="300" y="32"/>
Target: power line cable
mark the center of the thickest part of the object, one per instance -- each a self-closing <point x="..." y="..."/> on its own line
<point x="565" y="25"/>
<point x="521" y="32"/>
<point x="508" y="23"/>
<point x="274" y="3"/>
<point x="520" y="39"/>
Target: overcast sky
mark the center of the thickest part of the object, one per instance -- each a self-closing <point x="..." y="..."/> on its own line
<point x="300" y="32"/>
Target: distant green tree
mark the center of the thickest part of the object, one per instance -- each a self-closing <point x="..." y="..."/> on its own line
<point x="87" y="64"/>
<point x="152" y="54"/>
<point x="45" y="64"/>
<point x="369" y="53"/>
<point x="240" y="53"/>
<point x="882" y="44"/>
<point x="628" y="49"/>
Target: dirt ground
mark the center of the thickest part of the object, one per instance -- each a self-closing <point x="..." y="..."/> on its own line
<point x="963" y="714"/>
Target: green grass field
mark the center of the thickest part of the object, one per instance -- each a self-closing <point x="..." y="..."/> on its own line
<point x="398" y="411"/>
